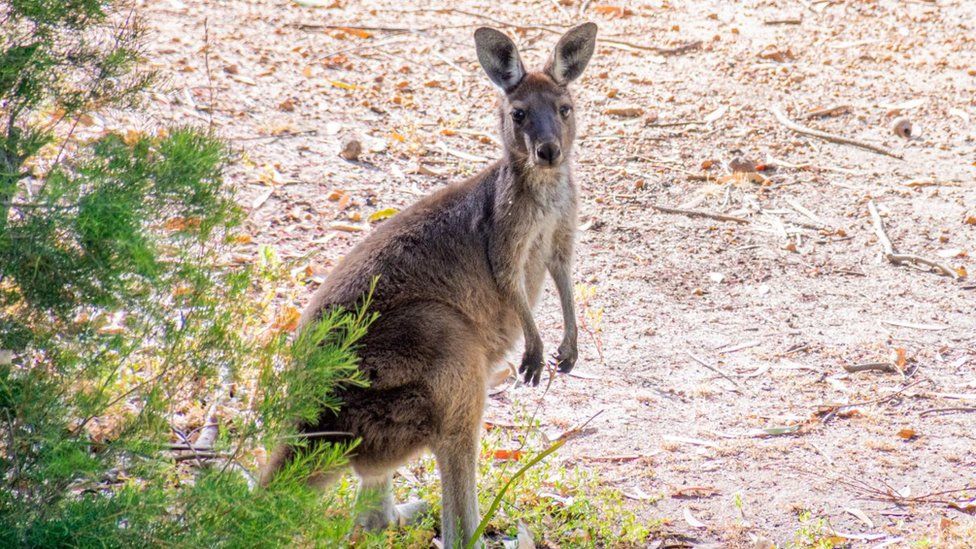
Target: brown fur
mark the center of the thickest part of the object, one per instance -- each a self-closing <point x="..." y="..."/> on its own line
<point x="458" y="273"/>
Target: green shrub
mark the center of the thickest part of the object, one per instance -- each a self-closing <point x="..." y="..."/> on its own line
<point x="120" y="308"/>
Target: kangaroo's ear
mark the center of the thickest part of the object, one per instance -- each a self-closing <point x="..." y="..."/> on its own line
<point x="499" y="58"/>
<point x="572" y="53"/>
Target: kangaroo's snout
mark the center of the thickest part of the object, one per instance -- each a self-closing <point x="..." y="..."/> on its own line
<point x="548" y="154"/>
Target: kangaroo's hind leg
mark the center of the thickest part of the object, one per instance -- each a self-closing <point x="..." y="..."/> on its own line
<point x="376" y="496"/>
<point x="457" y="461"/>
<point x="462" y="401"/>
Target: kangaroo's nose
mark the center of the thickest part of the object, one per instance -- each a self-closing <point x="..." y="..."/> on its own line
<point x="548" y="153"/>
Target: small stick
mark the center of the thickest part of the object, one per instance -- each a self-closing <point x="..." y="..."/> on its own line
<point x="877" y="400"/>
<point x="673" y="124"/>
<point x="829" y="136"/>
<point x="829" y="111"/>
<point x="206" y="64"/>
<point x="960" y="409"/>
<point x="903" y="259"/>
<point x="201" y="456"/>
<point x="799" y="207"/>
<point x="793" y="21"/>
<point x="696" y="213"/>
<point x="871" y="366"/>
<point x="712" y="368"/>
<point x="319" y="434"/>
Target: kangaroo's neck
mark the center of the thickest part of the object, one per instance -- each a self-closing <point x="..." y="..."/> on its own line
<point x="522" y="182"/>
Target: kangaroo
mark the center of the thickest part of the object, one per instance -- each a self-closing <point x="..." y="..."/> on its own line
<point x="457" y="275"/>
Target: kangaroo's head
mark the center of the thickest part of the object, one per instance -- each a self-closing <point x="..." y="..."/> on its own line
<point x="538" y="124"/>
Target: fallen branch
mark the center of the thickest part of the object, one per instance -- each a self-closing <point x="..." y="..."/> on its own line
<point x="871" y="366"/>
<point x="696" y="213"/>
<point x="903" y="259"/>
<point x="886" y="492"/>
<point x="829" y="136"/>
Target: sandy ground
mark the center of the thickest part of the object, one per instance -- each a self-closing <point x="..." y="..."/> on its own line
<point x="779" y="304"/>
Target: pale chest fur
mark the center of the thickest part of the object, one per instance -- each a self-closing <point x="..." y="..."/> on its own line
<point x="551" y="209"/>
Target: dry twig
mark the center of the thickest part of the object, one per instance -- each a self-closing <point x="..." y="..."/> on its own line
<point x="696" y="213"/>
<point x="903" y="259"/>
<point x="782" y="118"/>
<point x="712" y="368"/>
<point x="951" y="410"/>
<point x="870" y="366"/>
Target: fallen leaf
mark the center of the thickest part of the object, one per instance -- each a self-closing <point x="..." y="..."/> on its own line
<point x="778" y="431"/>
<point x="346" y="227"/>
<point x="318" y="3"/>
<point x="359" y="33"/>
<point x="861" y="515"/>
<point x="688" y="440"/>
<point x="777" y="54"/>
<point x="624" y="112"/>
<point x="343" y="85"/>
<point x="691" y="520"/>
<point x="269" y="175"/>
<point x="613" y="11"/>
<point x="287" y="319"/>
<point x="695" y="492"/>
<point x="948" y="253"/>
<point x="900" y="358"/>
<point x="502" y="454"/>
<point x="131" y="137"/>
<point x="380" y="215"/>
<point x="966" y="506"/>
<point x="716" y="114"/>
<point x="181" y="223"/>
<point x="907" y="434"/>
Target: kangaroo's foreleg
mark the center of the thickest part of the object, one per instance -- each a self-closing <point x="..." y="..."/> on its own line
<point x="560" y="268"/>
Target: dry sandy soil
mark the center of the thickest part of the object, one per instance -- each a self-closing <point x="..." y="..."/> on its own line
<point x="779" y="304"/>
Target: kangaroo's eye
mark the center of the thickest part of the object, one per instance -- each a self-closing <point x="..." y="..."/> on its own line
<point x="518" y="115"/>
<point x="564" y="110"/>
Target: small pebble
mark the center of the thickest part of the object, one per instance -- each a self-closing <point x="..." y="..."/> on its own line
<point x="351" y="150"/>
<point x="902" y="127"/>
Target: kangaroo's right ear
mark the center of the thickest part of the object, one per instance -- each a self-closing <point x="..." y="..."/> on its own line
<point x="499" y="58"/>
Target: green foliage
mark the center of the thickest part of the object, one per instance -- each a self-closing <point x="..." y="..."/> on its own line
<point x="814" y="533"/>
<point x="120" y="312"/>
<point x="560" y="506"/>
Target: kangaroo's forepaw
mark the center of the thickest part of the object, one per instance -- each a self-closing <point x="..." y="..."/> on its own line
<point x="566" y="357"/>
<point x="531" y="367"/>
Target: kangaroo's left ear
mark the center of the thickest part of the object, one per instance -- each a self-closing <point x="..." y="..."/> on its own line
<point x="572" y="53"/>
